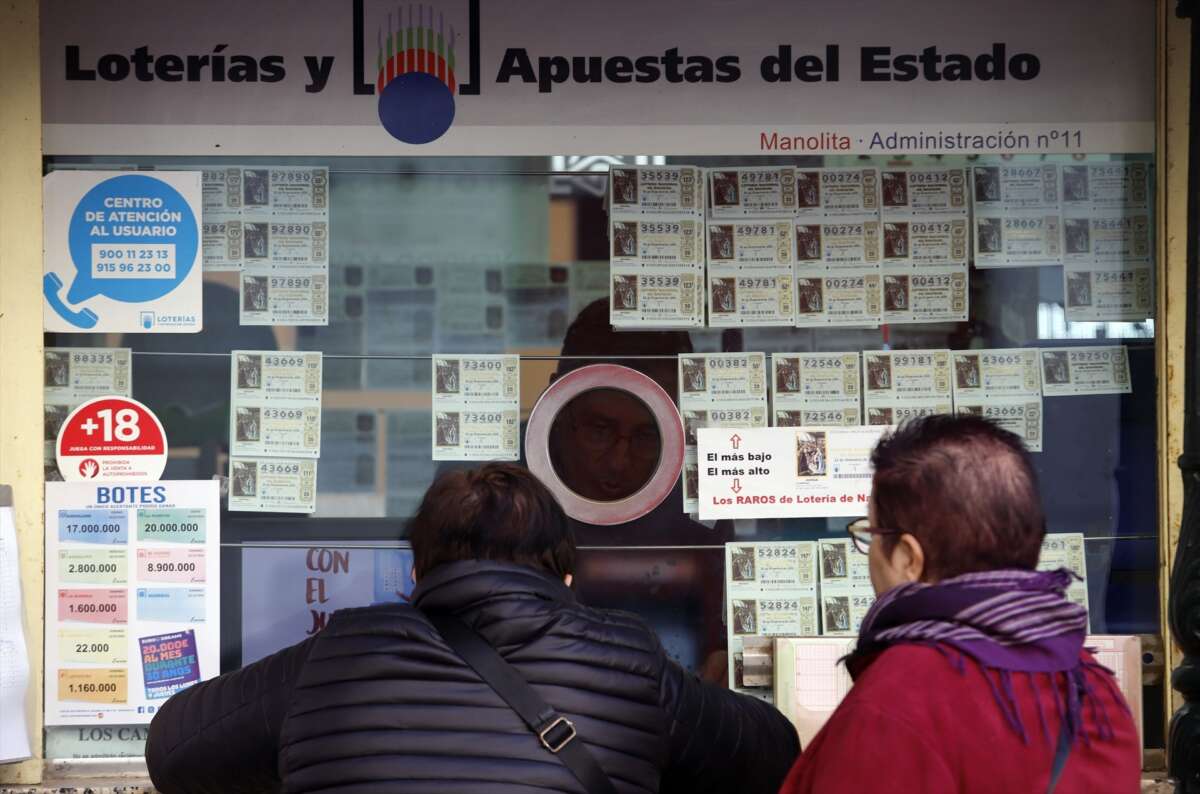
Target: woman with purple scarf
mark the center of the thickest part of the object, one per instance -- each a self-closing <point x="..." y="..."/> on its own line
<point x="970" y="673"/>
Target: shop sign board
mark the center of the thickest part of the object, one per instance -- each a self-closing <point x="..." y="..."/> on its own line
<point x="785" y="472"/>
<point x="122" y="252"/>
<point x="530" y="77"/>
<point x="111" y="438"/>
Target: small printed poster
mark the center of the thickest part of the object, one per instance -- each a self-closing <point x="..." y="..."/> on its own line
<point x="785" y="472"/>
<point x="132" y="597"/>
<point x="122" y="252"/>
<point x="170" y="663"/>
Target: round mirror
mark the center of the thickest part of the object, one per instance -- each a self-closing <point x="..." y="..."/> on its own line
<point x="608" y="441"/>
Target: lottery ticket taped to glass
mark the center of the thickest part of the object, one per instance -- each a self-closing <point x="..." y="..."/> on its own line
<point x="816" y="380"/>
<point x="272" y="485"/>
<point x="285" y="192"/>
<point x="1067" y="550"/>
<point x="656" y="189"/>
<point x="74" y="375"/>
<point x="656" y="297"/>
<point x="222" y="244"/>
<point x="1111" y="238"/>
<point x="1085" y="370"/>
<point x="722" y="378"/>
<point x="853" y="243"/>
<point x="1015" y="187"/>
<point x="1019" y="415"/>
<point x="925" y="242"/>
<point x="761" y="242"/>
<point x="837" y="193"/>
<point x="1018" y="240"/>
<point x="741" y="192"/>
<point x="658" y="241"/>
<point x="750" y="295"/>
<point x="1109" y="293"/>
<point x="266" y="298"/>
<point x="268" y="376"/>
<point x="905" y="375"/>
<point x="275" y="430"/>
<point x="928" y="295"/>
<point x="770" y="566"/>
<point x="283" y="245"/>
<point x="996" y="373"/>
<point x="918" y="192"/>
<point x="1101" y="187"/>
<point x="850" y="298"/>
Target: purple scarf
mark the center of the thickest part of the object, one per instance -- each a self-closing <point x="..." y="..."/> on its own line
<point x="1009" y="622"/>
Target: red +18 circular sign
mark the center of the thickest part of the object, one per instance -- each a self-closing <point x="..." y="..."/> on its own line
<point x="111" y="438"/>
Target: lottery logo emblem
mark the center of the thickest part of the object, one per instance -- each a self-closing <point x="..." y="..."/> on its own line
<point x="420" y="56"/>
<point x="416" y="82"/>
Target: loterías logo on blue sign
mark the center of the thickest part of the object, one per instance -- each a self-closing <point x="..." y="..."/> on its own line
<point x="419" y="56"/>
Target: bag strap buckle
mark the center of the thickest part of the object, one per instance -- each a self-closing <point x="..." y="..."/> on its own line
<point x="564" y="732"/>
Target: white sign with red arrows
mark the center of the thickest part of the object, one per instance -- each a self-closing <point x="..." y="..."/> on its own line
<point x="781" y="472"/>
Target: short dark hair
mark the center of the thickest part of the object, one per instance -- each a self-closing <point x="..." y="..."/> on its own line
<point x="498" y="511"/>
<point x="965" y="488"/>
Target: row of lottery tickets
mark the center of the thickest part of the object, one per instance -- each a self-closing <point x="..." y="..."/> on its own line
<point x="823" y="588"/>
<point x="274" y="430"/>
<point x="857" y="247"/>
<point x="275" y="421"/>
<point x="274" y="418"/>
<point x="275" y="414"/>
<point x="270" y="225"/>
<point x="886" y="387"/>
<point x="132" y="597"/>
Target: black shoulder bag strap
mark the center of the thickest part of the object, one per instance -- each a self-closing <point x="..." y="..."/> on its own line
<point x="554" y="731"/>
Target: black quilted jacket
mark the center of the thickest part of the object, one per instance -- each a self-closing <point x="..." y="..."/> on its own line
<point x="378" y="703"/>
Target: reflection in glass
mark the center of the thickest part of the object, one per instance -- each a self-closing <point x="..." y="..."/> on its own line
<point x="605" y="444"/>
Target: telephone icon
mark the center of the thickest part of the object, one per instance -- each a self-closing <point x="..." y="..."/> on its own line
<point x="51" y="286"/>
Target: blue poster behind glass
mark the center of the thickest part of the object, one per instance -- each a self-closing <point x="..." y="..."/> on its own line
<point x="288" y="594"/>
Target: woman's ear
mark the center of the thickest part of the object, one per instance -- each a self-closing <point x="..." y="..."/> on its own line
<point x="908" y="558"/>
<point x="413" y="575"/>
<point x="568" y="579"/>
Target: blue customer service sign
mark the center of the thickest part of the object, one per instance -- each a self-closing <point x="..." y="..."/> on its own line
<point x="122" y="252"/>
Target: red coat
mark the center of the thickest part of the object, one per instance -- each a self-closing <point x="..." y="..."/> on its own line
<point x="913" y="723"/>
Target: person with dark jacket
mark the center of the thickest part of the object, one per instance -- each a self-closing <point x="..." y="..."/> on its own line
<point x="970" y="672"/>
<point x="378" y="702"/>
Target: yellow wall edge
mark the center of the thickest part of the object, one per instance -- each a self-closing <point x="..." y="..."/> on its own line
<point x="21" y="331"/>
<point x="1174" y="41"/>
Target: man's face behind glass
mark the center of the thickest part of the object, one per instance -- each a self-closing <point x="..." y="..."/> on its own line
<point x="606" y="444"/>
